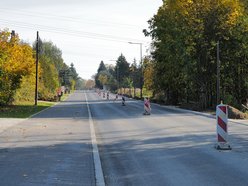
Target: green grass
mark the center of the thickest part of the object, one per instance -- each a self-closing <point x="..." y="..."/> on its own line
<point x="23" y="110"/>
<point x="64" y="97"/>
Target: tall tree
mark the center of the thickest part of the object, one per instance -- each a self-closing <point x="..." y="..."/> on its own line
<point x="184" y="35"/>
<point x="135" y="73"/>
<point x="122" y="69"/>
<point x="16" y="61"/>
<point x="148" y="74"/>
<point x="101" y="68"/>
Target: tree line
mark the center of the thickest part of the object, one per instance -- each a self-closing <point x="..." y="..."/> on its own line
<point x="182" y="66"/>
<point x="17" y="70"/>
<point x="122" y="75"/>
<point x="184" y="58"/>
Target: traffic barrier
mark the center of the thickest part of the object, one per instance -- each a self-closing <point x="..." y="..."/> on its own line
<point x="123" y="101"/>
<point x="222" y="129"/>
<point x="147" y="106"/>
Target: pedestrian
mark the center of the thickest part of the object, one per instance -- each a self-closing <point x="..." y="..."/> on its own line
<point x="147" y="106"/>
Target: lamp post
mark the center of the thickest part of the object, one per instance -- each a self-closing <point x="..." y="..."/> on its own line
<point x="141" y="64"/>
<point x="218" y="73"/>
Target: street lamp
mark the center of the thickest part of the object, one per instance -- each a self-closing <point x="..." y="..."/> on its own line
<point x="141" y="64"/>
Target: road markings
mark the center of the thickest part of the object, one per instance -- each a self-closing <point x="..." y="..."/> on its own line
<point x="96" y="156"/>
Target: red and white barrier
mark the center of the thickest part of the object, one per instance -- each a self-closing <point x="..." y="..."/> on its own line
<point x="222" y="130"/>
<point x="147" y="106"/>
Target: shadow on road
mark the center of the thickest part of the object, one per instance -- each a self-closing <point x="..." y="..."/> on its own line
<point x="165" y="157"/>
<point x="55" y="164"/>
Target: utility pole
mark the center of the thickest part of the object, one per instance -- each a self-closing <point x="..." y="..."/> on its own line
<point x="12" y="34"/>
<point x="218" y="73"/>
<point x="36" y="72"/>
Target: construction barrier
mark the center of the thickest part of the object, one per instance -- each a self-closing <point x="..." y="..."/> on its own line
<point x="147" y="106"/>
<point x="222" y="129"/>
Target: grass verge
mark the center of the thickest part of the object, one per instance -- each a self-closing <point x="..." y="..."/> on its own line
<point x="23" y="110"/>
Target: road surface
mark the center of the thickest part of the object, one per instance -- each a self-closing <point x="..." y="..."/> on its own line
<point x="169" y="147"/>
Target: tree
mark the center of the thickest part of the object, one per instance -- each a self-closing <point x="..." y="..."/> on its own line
<point x="103" y="78"/>
<point x="135" y="73"/>
<point x="49" y="77"/>
<point x="16" y="61"/>
<point x="73" y="72"/>
<point x="148" y="74"/>
<point x="90" y="84"/>
<point x="80" y="84"/>
<point x="101" y="68"/>
<point x="52" y="52"/>
<point x="122" y="68"/>
<point x="185" y="62"/>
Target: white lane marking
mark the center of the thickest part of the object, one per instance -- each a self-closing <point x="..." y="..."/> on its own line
<point x="96" y="156"/>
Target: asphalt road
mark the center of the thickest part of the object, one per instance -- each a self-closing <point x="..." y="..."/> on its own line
<point x="52" y="148"/>
<point x="169" y="147"/>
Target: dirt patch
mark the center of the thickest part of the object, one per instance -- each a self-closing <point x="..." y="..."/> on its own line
<point x="234" y="113"/>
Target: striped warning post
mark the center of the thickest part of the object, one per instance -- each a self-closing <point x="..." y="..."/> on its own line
<point x="222" y="131"/>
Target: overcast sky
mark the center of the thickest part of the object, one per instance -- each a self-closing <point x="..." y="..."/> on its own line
<point x="87" y="31"/>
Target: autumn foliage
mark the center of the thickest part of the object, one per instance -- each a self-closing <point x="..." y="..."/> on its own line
<point x="16" y="62"/>
<point x="17" y="70"/>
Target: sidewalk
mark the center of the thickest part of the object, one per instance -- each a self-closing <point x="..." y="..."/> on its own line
<point x="240" y="121"/>
<point x="6" y="123"/>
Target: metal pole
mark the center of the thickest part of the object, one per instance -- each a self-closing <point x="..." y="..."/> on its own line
<point x="141" y="64"/>
<point x="118" y="77"/>
<point x="218" y="73"/>
<point x="36" y="72"/>
<point x="142" y="78"/>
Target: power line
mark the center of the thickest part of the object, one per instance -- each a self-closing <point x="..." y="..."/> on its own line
<point x="76" y="33"/>
<point x="64" y="18"/>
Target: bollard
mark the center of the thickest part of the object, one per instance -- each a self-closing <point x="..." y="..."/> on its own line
<point x="222" y="130"/>
<point x="147" y="106"/>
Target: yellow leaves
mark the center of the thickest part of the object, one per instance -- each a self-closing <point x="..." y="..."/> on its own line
<point x="184" y="7"/>
<point x="16" y="61"/>
<point x="235" y="12"/>
<point x="148" y="74"/>
<point x="103" y="78"/>
<point x="14" y="56"/>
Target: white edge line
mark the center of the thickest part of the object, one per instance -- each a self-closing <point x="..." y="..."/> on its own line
<point x="96" y="157"/>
